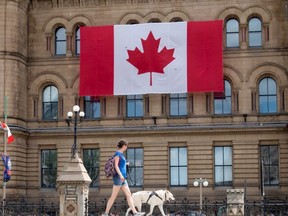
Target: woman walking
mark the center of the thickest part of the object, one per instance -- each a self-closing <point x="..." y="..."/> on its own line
<point x="119" y="179"/>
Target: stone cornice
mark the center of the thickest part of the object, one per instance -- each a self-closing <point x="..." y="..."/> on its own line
<point x="256" y="128"/>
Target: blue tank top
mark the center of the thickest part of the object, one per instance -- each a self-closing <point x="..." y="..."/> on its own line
<point x="122" y="163"/>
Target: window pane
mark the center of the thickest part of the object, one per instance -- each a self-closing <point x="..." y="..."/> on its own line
<point x="48" y="168"/>
<point x="223" y="166"/>
<point x="182" y="156"/>
<point x="178" y="166"/>
<point x="218" y="156"/>
<point x="54" y="94"/>
<point x="267" y="96"/>
<point x="183" y="107"/>
<point x="219" y="175"/>
<point x="61" y="48"/>
<point x="227" y="105"/>
<point x="270" y="158"/>
<point x="174" y="176"/>
<point x="224" y="106"/>
<point x="255" y="39"/>
<point x="217" y="106"/>
<point x="174" y="156"/>
<point x="227" y="156"/>
<point x="232" y="40"/>
<point x="92" y="107"/>
<point x="61" y="34"/>
<point x="263" y="104"/>
<point x="255" y="24"/>
<point x="173" y="107"/>
<point x="263" y="87"/>
<point x="135" y="169"/>
<point x="91" y="161"/>
<point x="232" y="33"/>
<point x="134" y="107"/>
<point x="183" y="176"/>
<point x="272" y="104"/>
<point x="271" y="86"/>
<point x="178" y="104"/>
<point x="232" y="25"/>
<point x="46" y="95"/>
<point x="77" y="41"/>
<point x="274" y="175"/>
<point x="139" y="108"/>
<point x="60" y="42"/>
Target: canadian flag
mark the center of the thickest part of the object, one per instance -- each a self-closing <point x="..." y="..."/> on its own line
<point x="4" y="126"/>
<point x="176" y="57"/>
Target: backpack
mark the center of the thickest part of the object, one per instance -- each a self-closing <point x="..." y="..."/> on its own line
<point x="110" y="168"/>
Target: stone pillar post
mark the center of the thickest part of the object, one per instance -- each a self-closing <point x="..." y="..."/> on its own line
<point x="73" y="187"/>
<point x="235" y="202"/>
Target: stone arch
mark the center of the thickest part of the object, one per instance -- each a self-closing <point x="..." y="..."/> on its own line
<point x="277" y="71"/>
<point x="78" y="20"/>
<point x="235" y="11"/>
<point x="176" y="14"/>
<point x="263" y="13"/>
<point x="53" y="23"/>
<point x="125" y="19"/>
<point x="234" y="75"/>
<point x="154" y="15"/>
<point x="36" y="83"/>
<point x="75" y="81"/>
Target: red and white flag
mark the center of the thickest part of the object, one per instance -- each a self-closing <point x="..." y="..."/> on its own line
<point x="10" y="137"/>
<point x="176" y="57"/>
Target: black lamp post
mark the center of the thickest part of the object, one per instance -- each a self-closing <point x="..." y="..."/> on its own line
<point x="75" y="122"/>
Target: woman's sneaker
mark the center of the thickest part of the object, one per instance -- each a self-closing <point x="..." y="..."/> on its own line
<point x="105" y="214"/>
<point x="139" y="213"/>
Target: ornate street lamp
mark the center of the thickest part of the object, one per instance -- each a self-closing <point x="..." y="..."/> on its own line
<point x="200" y="182"/>
<point x="75" y="122"/>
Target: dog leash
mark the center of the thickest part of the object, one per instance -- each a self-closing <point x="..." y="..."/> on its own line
<point x="153" y="193"/>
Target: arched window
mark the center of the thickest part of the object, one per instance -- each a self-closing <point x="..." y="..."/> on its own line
<point x="267" y="95"/>
<point x="154" y="20"/>
<point x="77" y="41"/>
<point x="223" y="102"/>
<point x="255" y="32"/>
<point x="132" y="22"/>
<point x="60" y="41"/>
<point x="92" y="107"/>
<point x="232" y="33"/>
<point x="50" y="103"/>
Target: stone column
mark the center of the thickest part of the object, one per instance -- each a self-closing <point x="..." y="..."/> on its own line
<point x="235" y="202"/>
<point x="73" y="187"/>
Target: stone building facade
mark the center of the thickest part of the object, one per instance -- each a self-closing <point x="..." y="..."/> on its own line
<point x="230" y="141"/>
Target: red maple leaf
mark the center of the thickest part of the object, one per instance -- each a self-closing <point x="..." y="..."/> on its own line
<point x="150" y="60"/>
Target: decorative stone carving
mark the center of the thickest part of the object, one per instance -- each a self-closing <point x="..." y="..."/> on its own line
<point x="235" y="202"/>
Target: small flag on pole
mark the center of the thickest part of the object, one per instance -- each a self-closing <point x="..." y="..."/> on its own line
<point x="5" y="127"/>
<point x="7" y="167"/>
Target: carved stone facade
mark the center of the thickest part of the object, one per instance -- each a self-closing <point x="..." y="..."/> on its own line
<point x="28" y="64"/>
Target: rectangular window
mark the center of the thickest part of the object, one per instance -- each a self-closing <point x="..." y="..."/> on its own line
<point x="223" y="166"/>
<point x="178" y="104"/>
<point x="48" y="168"/>
<point x="135" y="169"/>
<point x="134" y="106"/>
<point x="91" y="161"/>
<point x="270" y="164"/>
<point x="178" y="166"/>
<point x="92" y="107"/>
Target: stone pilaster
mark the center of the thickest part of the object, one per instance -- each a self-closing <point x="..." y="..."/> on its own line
<point x="73" y="187"/>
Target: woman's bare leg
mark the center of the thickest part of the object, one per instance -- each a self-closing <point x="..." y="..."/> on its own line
<point x="112" y="198"/>
<point x="127" y="192"/>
